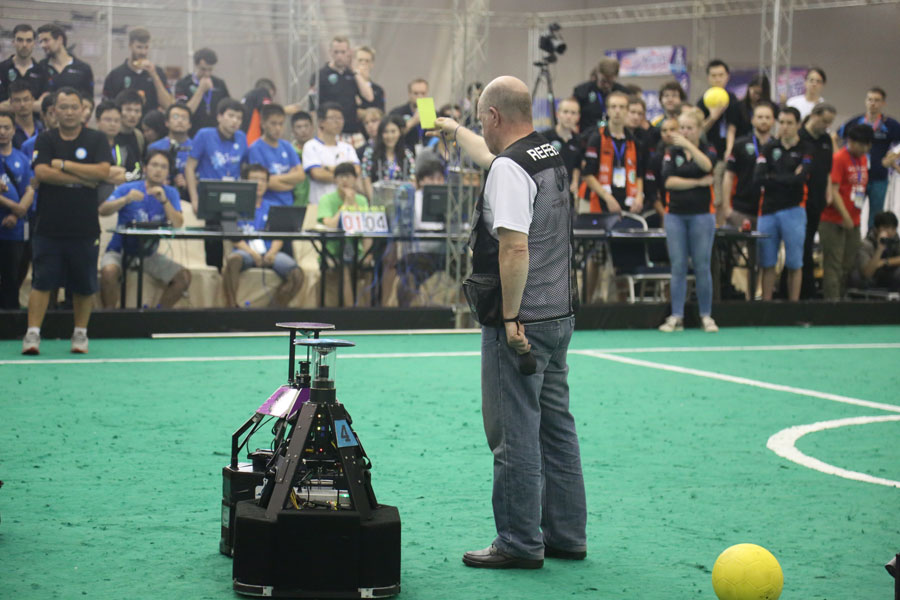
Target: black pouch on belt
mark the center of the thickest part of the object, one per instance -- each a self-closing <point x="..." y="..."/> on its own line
<point x="483" y="293"/>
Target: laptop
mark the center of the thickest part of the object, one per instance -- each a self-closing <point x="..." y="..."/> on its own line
<point x="596" y="221"/>
<point x="285" y="219"/>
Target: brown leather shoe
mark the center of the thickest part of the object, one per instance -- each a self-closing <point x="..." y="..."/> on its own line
<point x="492" y="558"/>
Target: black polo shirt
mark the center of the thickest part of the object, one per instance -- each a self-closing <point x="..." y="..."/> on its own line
<point x="592" y="101"/>
<point x="69" y="210"/>
<point x="742" y="162"/>
<point x="9" y="73"/>
<point x="571" y="151"/>
<point x="718" y="132"/>
<point x="653" y="176"/>
<point x="335" y="86"/>
<point x="378" y="102"/>
<point x="819" y="174"/>
<point x="205" y="115"/>
<point x="124" y="77"/>
<point x="414" y="135"/>
<point x="693" y="201"/>
<point x="776" y="171"/>
<point x="76" y="74"/>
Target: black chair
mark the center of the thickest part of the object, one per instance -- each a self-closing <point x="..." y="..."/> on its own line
<point x="646" y="280"/>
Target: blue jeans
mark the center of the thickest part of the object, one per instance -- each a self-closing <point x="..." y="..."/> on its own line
<point x="691" y="236"/>
<point x="538" y="492"/>
<point x="876" y="191"/>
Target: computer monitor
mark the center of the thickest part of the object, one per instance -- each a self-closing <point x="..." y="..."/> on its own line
<point x="226" y="201"/>
<point x="434" y="206"/>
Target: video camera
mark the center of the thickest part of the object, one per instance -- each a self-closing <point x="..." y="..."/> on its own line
<point x="552" y="43"/>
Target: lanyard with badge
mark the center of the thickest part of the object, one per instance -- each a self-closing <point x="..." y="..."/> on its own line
<point x="619" y="176"/>
<point x="755" y="146"/>
<point x="876" y="124"/>
<point x="858" y="193"/>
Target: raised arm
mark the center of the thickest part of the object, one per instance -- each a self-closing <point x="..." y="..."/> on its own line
<point x="470" y="142"/>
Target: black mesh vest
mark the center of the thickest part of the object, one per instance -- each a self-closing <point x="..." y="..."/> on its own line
<point x="549" y="288"/>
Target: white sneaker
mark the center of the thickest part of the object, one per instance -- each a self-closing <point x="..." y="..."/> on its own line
<point x="31" y="343"/>
<point x="79" y="343"/>
<point x="672" y="324"/>
<point x="709" y="326"/>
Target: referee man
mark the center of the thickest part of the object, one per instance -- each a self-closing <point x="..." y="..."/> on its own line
<point x="522" y="233"/>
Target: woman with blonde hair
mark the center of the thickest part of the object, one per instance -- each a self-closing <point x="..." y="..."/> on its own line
<point x="690" y="220"/>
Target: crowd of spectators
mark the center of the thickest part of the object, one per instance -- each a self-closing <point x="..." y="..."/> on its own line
<point x="747" y="163"/>
<point x="750" y="164"/>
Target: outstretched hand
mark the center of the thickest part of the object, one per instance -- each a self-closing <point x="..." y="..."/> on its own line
<point x="447" y="126"/>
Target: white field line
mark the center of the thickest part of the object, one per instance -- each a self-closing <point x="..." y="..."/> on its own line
<point x="649" y="350"/>
<point x="739" y="380"/>
<point x="788" y="347"/>
<point x="326" y="333"/>
<point x="251" y="358"/>
<point x="784" y="443"/>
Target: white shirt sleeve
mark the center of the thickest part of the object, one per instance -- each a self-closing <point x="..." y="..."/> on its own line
<point x="348" y="153"/>
<point x="312" y="155"/>
<point x="509" y="197"/>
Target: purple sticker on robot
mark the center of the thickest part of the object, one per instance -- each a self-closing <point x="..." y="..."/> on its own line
<point x="285" y="402"/>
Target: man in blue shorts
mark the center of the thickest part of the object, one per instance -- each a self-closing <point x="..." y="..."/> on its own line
<point x="68" y="163"/>
<point x="261" y="253"/>
<point x="783" y="168"/>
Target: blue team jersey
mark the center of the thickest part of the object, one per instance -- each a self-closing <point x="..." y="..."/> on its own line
<point x="260" y="218"/>
<point x="184" y="150"/>
<point x="15" y="172"/>
<point x="143" y="211"/>
<point x="218" y="158"/>
<point x="28" y="150"/>
<point x="277" y="161"/>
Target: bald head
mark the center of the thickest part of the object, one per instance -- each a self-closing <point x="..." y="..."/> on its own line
<point x="510" y="97"/>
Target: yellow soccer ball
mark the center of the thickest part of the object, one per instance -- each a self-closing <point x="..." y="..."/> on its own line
<point x="747" y="572"/>
<point x="715" y="97"/>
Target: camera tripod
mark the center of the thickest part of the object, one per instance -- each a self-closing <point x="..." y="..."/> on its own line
<point x="544" y="75"/>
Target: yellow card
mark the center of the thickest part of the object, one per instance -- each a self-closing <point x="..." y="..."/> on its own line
<point x="427" y="114"/>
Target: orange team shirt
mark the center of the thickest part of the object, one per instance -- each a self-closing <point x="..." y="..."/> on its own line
<point x="852" y="175"/>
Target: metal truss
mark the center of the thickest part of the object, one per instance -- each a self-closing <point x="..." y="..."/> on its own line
<point x="775" y="39"/>
<point x="304" y="26"/>
<point x="703" y="40"/>
<point x="471" y="24"/>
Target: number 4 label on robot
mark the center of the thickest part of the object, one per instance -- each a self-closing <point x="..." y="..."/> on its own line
<point x="345" y="436"/>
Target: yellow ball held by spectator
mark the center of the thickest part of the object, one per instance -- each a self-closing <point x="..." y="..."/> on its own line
<point x="715" y="97"/>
